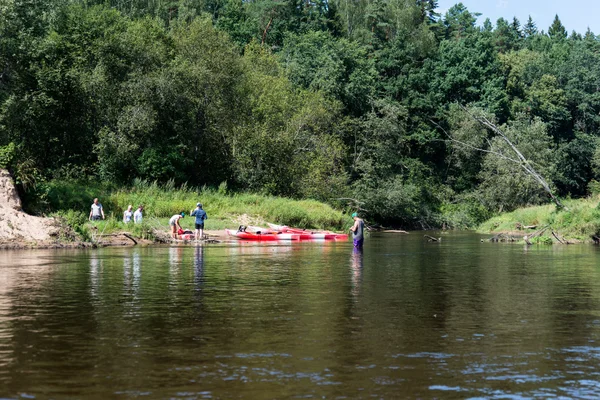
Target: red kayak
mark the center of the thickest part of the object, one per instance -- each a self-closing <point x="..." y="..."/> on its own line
<point x="267" y="236"/>
<point x="309" y="234"/>
<point x="288" y="235"/>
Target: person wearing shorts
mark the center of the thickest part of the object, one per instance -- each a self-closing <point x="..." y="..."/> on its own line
<point x="97" y="212"/>
<point x="174" y="224"/>
<point x="200" y="215"/>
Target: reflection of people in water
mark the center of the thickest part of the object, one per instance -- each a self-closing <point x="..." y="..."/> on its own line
<point x="175" y="254"/>
<point x="131" y="278"/>
<point x="199" y="265"/>
<point x="126" y="270"/>
<point x="137" y="269"/>
<point x="95" y="272"/>
<point x="357" y="267"/>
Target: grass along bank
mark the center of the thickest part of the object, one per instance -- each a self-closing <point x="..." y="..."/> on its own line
<point x="71" y="202"/>
<point x="578" y="221"/>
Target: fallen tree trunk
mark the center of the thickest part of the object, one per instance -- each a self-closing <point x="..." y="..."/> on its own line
<point x="128" y="236"/>
<point x="562" y="241"/>
<point x="522" y="161"/>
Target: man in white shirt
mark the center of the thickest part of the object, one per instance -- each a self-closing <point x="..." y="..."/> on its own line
<point x="97" y="212"/>
<point x="137" y="215"/>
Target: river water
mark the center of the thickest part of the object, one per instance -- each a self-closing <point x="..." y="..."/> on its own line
<point x="405" y="318"/>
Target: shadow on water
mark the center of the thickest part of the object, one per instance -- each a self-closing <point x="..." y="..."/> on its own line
<point x="458" y="318"/>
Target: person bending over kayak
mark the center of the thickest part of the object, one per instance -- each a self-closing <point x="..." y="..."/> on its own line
<point x="174" y="224"/>
<point x="358" y="231"/>
<point x="200" y="215"/>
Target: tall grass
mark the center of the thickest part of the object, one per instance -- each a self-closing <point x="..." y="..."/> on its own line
<point x="162" y="201"/>
<point x="580" y="219"/>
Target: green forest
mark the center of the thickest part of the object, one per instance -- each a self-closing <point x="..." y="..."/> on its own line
<point x="371" y="103"/>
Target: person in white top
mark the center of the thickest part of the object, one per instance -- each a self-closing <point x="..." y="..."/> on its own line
<point x="97" y="212"/>
<point x="137" y="215"/>
<point x="174" y="224"/>
<point x="128" y="214"/>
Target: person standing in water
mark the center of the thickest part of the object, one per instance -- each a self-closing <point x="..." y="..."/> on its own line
<point x="358" y="231"/>
<point x="200" y="215"/>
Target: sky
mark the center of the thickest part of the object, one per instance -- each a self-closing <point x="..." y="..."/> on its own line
<point x="575" y="15"/>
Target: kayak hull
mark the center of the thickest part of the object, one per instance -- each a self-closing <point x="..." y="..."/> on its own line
<point x="285" y="236"/>
<point x="309" y="234"/>
<point x="270" y="236"/>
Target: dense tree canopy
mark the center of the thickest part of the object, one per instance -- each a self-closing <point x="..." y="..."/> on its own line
<point x="326" y="99"/>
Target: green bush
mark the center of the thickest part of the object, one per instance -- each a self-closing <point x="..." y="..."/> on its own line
<point x="7" y="154"/>
<point x="545" y="240"/>
<point x="74" y="221"/>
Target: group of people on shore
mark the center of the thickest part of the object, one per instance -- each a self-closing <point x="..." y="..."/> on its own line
<point x="97" y="213"/>
<point x="130" y="215"/>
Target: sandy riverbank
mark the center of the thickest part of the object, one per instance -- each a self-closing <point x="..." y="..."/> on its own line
<point x="19" y="230"/>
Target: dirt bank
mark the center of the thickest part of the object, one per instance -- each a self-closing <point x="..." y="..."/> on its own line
<point x="18" y="229"/>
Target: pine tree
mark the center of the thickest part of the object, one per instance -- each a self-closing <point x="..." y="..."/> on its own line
<point x="530" y="29"/>
<point x="557" y="30"/>
<point x="459" y="22"/>
<point x="589" y="35"/>
<point x="487" y="25"/>
<point x="575" y="36"/>
<point x="516" y="28"/>
<point x="428" y="8"/>
<point x="505" y="36"/>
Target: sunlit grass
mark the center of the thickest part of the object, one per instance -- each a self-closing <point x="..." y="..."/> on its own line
<point x="580" y="219"/>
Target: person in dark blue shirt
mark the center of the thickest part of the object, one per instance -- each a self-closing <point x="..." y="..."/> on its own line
<point x="200" y="215"/>
<point x="357" y="229"/>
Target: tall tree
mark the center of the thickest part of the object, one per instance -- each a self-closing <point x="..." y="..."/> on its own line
<point x="530" y="29"/>
<point x="428" y="8"/>
<point x="589" y="35"/>
<point x="557" y="30"/>
<point x="459" y="21"/>
<point x="506" y="36"/>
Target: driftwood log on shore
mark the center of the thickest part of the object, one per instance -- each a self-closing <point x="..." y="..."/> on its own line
<point x="519" y="226"/>
<point x="506" y="237"/>
<point x="124" y="234"/>
<point x="528" y="238"/>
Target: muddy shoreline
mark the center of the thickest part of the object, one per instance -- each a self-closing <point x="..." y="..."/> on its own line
<point x="113" y="240"/>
